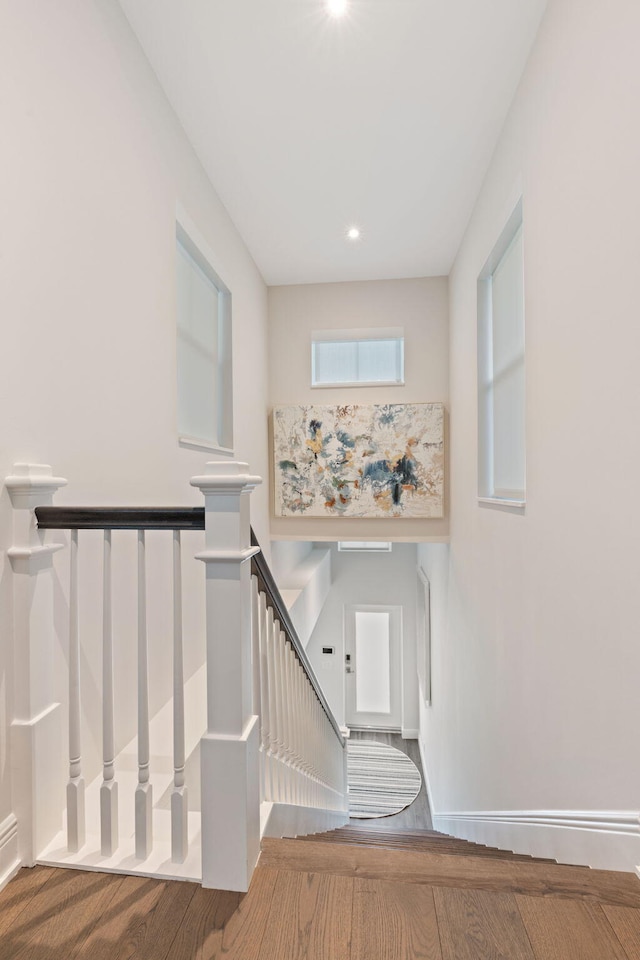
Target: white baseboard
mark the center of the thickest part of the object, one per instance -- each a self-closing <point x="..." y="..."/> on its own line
<point x="410" y="733"/>
<point x="425" y="773"/>
<point x="9" y="859"/>
<point x="289" y="820"/>
<point x="603" y="839"/>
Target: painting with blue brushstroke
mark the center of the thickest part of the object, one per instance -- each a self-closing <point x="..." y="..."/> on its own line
<point x="356" y="460"/>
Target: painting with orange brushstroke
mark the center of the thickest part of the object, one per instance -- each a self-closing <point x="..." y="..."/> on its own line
<point x="378" y="460"/>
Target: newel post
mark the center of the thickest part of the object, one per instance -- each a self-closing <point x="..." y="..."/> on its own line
<point x="229" y="749"/>
<point x="36" y="732"/>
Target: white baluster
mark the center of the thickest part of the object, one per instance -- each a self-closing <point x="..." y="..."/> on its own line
<point x="297" y="742"/>
<point x="265" y="722"/>
<point x="277" y="726"/>
<point x="293" y="712"/>
<point x="75" y="787"/>
<point x="286" y="723"/>
<point x="109" y="787"/>
<point x="255" y="647"/>
<point x="305" y="731"/>
<point x="274" y="767"/>
<point x="179" y="795"/>
<point x="286" y="740"/>
<point x="144" y="790"/>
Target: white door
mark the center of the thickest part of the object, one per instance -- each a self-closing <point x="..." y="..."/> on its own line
<point x="373" y="665"/>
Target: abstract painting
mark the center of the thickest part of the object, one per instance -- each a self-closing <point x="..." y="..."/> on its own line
<point x="356" y="460"/>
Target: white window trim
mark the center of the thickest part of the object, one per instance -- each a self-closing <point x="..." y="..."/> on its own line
<point x="499" y="498"/>
<point x="502" y="502"/>
<point x="189" y="236"/>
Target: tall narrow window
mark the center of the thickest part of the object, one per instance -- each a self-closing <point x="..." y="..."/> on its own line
<point x="357" y="357"/>
<point x="501" y="369"/>
<point x="373" y="683"/>
<point x="203" y="350"/>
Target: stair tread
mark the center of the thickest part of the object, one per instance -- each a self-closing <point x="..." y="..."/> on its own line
<point x="453" y="849"/>
<point x="418" y="840"/>
<point x="439" y="869"/>
<point x="441" y="844"/>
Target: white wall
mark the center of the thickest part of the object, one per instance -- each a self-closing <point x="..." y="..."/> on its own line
<point x="93" y="165"/>
<point x="385" y="578"/>
<point x="420" y="306"/>
<point x="536" y="685"/>
<point x="286" y="557"/>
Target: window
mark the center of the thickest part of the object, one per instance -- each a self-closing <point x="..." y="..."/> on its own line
<point x="364" y="546"/>
<point x="205" y="417"/>
<point x="357" y="357"/>
<point x="501" y="370"/>
<point x="373" y="676"/>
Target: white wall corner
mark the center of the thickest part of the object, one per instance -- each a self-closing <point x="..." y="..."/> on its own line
<point x="10" y="861"/>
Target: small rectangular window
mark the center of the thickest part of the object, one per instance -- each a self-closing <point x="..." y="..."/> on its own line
<point x="501" y="369"/>
<point x="364" y="546"/>
<point x="357" y="357"/>
<point x="203" y="350"/>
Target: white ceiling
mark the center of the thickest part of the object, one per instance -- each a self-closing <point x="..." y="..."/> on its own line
<point x="306" y="124"/>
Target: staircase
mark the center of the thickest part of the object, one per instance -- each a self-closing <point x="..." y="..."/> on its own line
<point x="156" y="638"/>
<point x="416" y="841"/>
<point x="429" y="858"/>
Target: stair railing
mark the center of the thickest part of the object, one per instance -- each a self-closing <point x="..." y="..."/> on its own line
<point x="139" y="520"/>
<point x="270" y="734"/>
<point x="302" y="749"/>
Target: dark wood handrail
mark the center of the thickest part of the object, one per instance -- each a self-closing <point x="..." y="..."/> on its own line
<point x="184" y="518"/>
<point x="120" y="518"/>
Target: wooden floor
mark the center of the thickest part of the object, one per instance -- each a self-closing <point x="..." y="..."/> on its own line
<point x="382" y="890"/>
<point x="416" y="815"/>
<point x="379" y="905"/>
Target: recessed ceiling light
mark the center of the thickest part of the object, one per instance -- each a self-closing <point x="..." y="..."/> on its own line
<point x="353" y="233"/>
<point x="337" y="8"/>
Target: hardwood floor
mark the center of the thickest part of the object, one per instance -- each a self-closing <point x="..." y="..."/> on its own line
<point x="304" y="911"/>
<point x="417" y="814"/>
<point x="383" y="889"/>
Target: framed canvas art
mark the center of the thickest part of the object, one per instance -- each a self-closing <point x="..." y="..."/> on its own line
<point x="359" y="460"/>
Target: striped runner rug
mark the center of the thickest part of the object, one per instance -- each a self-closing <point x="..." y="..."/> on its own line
<point x="382" y="780"/>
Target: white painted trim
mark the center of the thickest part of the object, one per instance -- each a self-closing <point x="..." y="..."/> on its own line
<point x="501" y="502"/>
<point x="291" y="820"/>
<point x="356" y="383"/>
<point x="425" y="777"/>
<point x="620" y="821"/>
<point x="26" y="553"/>
<point x="227" y="556"/>
<point x="188" y="226"/>
<point x="208" y="445"/>
<point x="604" y="839"/>
<point x="410" y="733"/>
<point x="9" y="859"/>
<point x="357" y="333"/>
